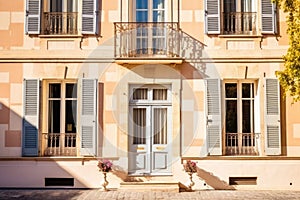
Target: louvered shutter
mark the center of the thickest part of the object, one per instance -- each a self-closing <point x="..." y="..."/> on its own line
<point x="268" y="17"/>
<point x="33" y="17"/>
<point x="212" y="16"/>
<point x="88" y="117"/>
<point x="89" y="17"/>
<point x="213" y="101"/>
<point x="31" y="118"/>
<point x="272" y="117"/>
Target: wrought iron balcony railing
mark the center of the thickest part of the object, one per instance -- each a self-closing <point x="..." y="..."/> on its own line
<point x="150" y="39"/>
<point x="60" y="23"/>
<point x="239" y="23"/>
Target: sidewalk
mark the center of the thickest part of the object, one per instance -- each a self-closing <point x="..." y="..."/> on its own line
<point x="97" y="194"/>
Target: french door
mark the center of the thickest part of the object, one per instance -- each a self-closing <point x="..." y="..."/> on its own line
<point x="149" y="149"/>
<point x="150" y="31"/>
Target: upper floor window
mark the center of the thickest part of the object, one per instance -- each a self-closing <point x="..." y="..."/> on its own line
<point x="61" y="17"/>
<point x="240" y="17"/>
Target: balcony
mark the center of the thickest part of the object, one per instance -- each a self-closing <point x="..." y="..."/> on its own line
<point x="151" y="39"/>
<point x="61" y="144"/>
<point x="239" y="23"/>
<point x="60" y="23"/>
<point x="241" y="144"/>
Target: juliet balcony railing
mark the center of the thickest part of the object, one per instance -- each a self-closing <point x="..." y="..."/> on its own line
<point x="241" y="144"/>
<point x="61" y="144"/>
<point x="60" y="23"/>
<point x="135" y="39"/>
<point x="243" y="23"/>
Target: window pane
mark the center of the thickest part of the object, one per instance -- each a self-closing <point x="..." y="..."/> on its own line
<point x="56" y="6"/>
<point x="231" y="90"/>
<point x="229" y="6"/>
<point x="246" y="116"/>
<point x="158" y="16"/>
<point x="247" y="6"/>
<point x="160" y="125"/>
<point x="140" y="94"/>
<point x="160" y="94"/>
<point x="54" y="90"/>
<point x="71" y="116"/>
<point x="247" y="90"/>
<point x="141" y="4"/>
<point x="158" y="4"/>
<point x="54" y="116"/>
<point x="231" y="116"/>
<point x="141" y="16"/>
<point x="71" y="90"/>
<point x="139" y="124"/>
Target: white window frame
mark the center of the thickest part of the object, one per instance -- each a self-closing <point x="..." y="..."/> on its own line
<point x="62" y="112"/>
<point x="239" y="109"/>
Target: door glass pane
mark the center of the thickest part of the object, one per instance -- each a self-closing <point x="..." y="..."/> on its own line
<point x="139" y="125"/>
<point x="231" y="90"/>
<point x="231" y="116"/>
<point x="160" y="125"/>
<point x="54" y="116"/>
<point x="140" y="94"/>
<point x="71" y="116"/>
<point x="160" y="94"/>
<point x="54" y="90"/>
<point x="71" y="90"/>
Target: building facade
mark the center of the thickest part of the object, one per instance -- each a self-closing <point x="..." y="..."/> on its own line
<point x="147" y="84"/>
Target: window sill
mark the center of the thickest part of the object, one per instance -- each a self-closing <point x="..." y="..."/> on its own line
<point x="55" y="158"/>
<point x="240" y="36"/>
<point x="60" y="36"/>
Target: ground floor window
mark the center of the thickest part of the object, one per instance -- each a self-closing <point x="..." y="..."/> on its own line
<point x="61" y="117"/>
<point x="239" y="117"/>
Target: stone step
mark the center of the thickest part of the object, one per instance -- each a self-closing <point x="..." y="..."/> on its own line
<point x="152" y="186"/>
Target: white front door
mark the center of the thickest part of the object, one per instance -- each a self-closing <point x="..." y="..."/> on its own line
<point x="150" y="134"/>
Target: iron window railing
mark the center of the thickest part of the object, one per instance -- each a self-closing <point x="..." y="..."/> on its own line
<point x="239" y="23"/>
<point x="60" y="23"/>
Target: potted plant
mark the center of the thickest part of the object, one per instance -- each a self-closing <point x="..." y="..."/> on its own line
<point x="105" y="166"/>
<point x="190" y="167"/>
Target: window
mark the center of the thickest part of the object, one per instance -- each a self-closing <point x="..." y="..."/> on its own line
<point x="62" y="118"/>
<point x="150" y="37"/>
<point x="61" y="17"/>
<point x="231" y="124"/>
<point x="239" y="17"/>
<point x="239" y="118"/>
<point x="52" y="115"/>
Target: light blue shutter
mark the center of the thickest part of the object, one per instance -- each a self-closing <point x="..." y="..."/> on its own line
<point x="212" y="16"/>
<point x="272" y="117"/>
<point x="89" y="17"/>
<point x="33" y="17"/>
<point x="31" y="118"/>
<point x="268" y="17"/>
<point x="214" y="127"/>
<point x="88" y="116"/>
